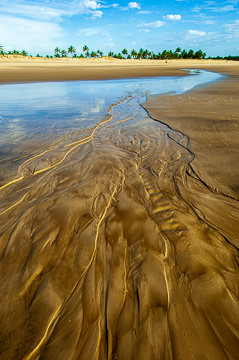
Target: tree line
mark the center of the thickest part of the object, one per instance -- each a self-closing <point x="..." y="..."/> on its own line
<point x="124" y="54"/>
<point x="133" y="54"/>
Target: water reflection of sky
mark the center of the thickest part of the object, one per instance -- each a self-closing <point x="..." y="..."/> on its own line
<point x="54" y="108"/>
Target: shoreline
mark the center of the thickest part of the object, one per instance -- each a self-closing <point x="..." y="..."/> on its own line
<point x="124" y="241"/>
<point x="208" y="116"/>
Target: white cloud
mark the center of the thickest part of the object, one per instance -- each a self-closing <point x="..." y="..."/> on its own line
<point x="110" y="44"/>
<point x="89" y="31"/>
<point x="224" y="8"/>
<point x="211" y="6"/>
<point x="97" y="14"/>
<point x="208" y="22"/>
<point x="147" y="30"/>
<point x="134" y="5"/>
<point x="233" y="28"/>
<point x="28" y="33"/>
<point x="173" y="17"/>
<point x="91" y="7"/>
<point x="196" y="33"/>
<point x="47" y="10"/>
<point x="91" y="4"/>
<point x="34" y="11"/>
<point x="144" y="12"/>
<point x="154" y="24"/>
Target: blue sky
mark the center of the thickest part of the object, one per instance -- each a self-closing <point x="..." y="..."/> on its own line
<point x="38" y="26"/>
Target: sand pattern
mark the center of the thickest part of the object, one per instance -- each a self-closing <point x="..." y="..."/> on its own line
<point x="114" y="247"/>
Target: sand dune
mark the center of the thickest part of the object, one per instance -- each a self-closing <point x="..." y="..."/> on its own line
<point x="123" y="243"/>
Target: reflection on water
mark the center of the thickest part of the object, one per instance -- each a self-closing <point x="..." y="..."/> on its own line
<point x="111" y="245"/>
<point x="40" y="109"/>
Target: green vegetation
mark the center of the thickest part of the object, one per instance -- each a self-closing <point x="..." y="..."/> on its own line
<point x="71" y="50"/>
<point x="126" y="54"/>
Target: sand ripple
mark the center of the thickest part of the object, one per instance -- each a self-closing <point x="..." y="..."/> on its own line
<point x="113" y="248"/>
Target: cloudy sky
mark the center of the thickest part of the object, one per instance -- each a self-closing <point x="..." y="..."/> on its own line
<point x="38" y="26"/>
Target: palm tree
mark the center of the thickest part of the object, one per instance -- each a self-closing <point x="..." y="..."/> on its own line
<point x="184" y="54"/>
<point x="71" y="50"/>
<point x="199" y="54"/>
<point x="191" y="54"/>
<point x="100" y="53"/>
<point x="118" y="56"/>
<point x="134" y="53"/>
<point x="93" y="54"/>
<point x="23" y="53"/>
<point x="164" y="54"/>
<point x="63" y="53"/>
<point x="86" y="51"/>
<point x="1" y="50"/>
<point x="111" y="54"/>
<point x="177" y="53"/>
<point x="124" y="51"/>
<point x="57" y="51"/>
<point x="154" y="56"/>
<point x="170" y="54"/>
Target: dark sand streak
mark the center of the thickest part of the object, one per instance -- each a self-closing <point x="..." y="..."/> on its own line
<point x="119" y="252"/>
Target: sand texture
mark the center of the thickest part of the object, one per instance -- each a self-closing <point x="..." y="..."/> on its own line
<point x="122" y="242"/>
<point x="23" y="69"/>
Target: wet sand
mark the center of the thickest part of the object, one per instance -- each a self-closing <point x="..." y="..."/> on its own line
<point x="21" y="69"/>
<point x="123" y="242"/>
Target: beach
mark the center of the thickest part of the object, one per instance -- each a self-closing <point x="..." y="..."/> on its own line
<point x="122" y="241"/>
<point x="24" y="69"/>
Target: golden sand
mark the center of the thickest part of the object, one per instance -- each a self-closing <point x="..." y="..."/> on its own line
<point x="123" y="243"/>
<point x="23" y="69"/>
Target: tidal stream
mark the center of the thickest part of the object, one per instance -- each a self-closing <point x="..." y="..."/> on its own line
<point x="111" y="245"/>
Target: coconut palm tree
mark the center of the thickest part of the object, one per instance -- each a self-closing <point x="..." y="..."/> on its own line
<point x="184" y="54"/>
<point x="134" y="53"/>
<point x="164" y="54"/>
<point x="199" y="54"/>
<point x="111" y="54"/>
<point x="63" y="53"/>
<point x="191" y="54"/>
<point x="1" y="50"/>
<point x="71" y="50"/>
<point x="99" y="53"/>
<point x="57" y="51"/>
<point x="86" y="51"/>
<point x="178" y="50"/>
<point x="124" y="52"/>
<point x="93" y="54"/>
<point x="23" y="53"/>
<point x="119" y="56"/>
<point x="141" y="54"/>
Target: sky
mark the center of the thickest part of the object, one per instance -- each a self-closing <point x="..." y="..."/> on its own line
<point x="39" y="26"/>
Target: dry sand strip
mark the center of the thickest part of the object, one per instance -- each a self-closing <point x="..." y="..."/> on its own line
<point x="20" y="69"/>
<point x="128" y="249"/>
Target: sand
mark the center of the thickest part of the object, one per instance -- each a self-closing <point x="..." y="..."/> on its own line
<point x="23" y="69"/>
<point x="123" y="242"/>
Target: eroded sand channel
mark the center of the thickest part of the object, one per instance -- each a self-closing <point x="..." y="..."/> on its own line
<point x="109" y="249"/>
